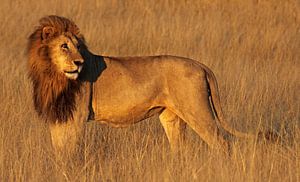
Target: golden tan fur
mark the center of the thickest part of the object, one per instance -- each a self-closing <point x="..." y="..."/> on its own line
<point x="120" y="91"/>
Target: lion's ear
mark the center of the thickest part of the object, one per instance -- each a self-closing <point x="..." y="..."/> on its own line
<point x="48" y="32"/>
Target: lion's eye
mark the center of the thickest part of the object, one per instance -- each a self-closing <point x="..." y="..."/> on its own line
<point x="65" y="46"/>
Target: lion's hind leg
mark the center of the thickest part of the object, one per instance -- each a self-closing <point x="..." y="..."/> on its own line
<point x="195" y="109"/>
<point x="174" y="128"/>
<point x="205" y="126"/>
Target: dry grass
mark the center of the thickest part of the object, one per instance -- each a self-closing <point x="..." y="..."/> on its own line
<point x="253" y="46"/>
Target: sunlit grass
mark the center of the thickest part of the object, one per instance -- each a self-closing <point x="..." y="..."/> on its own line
<point x="252" y="47"/>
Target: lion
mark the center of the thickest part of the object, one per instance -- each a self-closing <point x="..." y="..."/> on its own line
<point x="71" y="86"/>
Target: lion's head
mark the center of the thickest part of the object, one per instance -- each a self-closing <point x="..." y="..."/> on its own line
<point x="55" y="43"/>
<point x="55" y="62"/>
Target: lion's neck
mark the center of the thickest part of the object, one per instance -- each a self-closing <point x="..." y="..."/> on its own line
<point x="54" y="98"/>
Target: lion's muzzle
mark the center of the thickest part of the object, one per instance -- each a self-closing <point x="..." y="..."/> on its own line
<point x="75" y="73"/>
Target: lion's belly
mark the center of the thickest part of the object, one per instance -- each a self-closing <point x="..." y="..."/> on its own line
<point x="122" y="116"/>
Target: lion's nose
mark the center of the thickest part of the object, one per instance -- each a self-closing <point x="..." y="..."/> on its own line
<point x="78" y="62"/>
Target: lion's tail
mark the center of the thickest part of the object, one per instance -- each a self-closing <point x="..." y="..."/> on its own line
<point x="216" y="105"/>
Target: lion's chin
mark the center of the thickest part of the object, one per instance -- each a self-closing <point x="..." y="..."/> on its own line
<point x="72" y="76"/>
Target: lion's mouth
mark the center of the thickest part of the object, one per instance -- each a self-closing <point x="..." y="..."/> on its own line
<point x="72" y="74"/>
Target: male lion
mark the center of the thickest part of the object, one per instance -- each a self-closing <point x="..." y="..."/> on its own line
<point x="72" y="85"/>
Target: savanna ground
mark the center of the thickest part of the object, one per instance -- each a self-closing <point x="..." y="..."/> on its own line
<point x="253" y="47"/>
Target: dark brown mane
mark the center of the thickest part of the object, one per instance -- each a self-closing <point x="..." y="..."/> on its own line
<point x="53" y="94"/>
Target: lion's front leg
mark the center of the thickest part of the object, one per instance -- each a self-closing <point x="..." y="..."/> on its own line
<point x="65" y="136"/>
<point x="66" y="141"/>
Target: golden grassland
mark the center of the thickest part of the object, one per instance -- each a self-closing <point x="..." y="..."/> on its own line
<point x="253" y="47"/>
